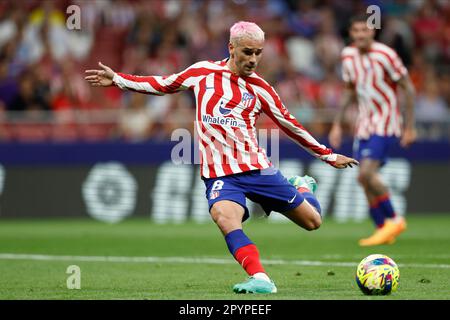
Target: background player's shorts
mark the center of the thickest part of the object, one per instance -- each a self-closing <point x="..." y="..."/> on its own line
<point x="376" y="148"/>
<point x="268" y="187"/>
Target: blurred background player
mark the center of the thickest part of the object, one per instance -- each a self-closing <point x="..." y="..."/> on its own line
<point x="372" y="72"/>
<point x="229" y="97"/>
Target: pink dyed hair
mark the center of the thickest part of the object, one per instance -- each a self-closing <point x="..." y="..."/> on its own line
<point x="244" y="29"/>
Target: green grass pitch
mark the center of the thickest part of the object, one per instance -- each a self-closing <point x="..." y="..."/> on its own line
<point x="137" y="259"/>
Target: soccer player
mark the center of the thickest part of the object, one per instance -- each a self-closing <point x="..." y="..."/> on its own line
<point x="372" y="72"/>
<point x="229" y="98"/>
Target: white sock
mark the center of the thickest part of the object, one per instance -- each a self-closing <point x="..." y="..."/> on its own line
<point x="261" y="276"/>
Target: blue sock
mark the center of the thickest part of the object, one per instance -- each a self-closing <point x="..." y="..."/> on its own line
<point x="386" y="207"/>
<point x="237" y="239"/>
<point x="312" y="201"/>
<point x="377" y="215"/>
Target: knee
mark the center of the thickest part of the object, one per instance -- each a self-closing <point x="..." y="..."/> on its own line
<point x="364" y="178"/>
<point x="222" y="217"/>
<point x="218" y="215"/>
<point x="314" y="224"/>
<point x="222" y="221"/>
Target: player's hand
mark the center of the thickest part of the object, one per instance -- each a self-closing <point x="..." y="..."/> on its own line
<point x="335" y="136"/>
<point x="100" y="78"/>
<point x="344" y="162"/>
<point x="339" y="161"/>
<point x="408" y="137"/>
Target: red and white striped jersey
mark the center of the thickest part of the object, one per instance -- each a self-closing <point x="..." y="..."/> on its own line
<point x="374" y="76"/>
<point x="227" y="107"/>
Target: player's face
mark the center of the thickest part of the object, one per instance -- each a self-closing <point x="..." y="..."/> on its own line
<point x="246" y="55"/>
<point x="361" y="35"/>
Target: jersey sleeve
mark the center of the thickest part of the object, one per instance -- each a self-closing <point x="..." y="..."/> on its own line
<point x="395" y="67"/>
<point x="271" y="105"/>
<point x="345" y="72"/>
<point x="160" y="85"/>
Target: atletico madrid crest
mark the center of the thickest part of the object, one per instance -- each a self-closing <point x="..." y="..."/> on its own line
<point x="213" y="195"/>
<point x="247" y="99"/>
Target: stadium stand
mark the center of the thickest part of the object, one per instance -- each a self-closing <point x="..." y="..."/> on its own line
<point x="43" y="96"/>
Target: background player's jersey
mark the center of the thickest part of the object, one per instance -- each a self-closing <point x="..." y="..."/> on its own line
<point x="227" y="107"/>
<point x="374" y="76"/>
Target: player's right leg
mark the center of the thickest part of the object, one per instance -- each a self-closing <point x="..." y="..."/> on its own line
<point x="228" y="216"/>
<point x="307" y="214"/>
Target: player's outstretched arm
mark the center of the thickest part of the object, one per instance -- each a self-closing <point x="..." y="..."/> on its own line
<point x="274" y="108"/>
<point x="100" y="78"/>
<point x="155" y="85"/>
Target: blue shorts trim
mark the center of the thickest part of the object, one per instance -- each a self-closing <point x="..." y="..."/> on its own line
<point x="267" y="187"/>
<point x="375" y="147"/>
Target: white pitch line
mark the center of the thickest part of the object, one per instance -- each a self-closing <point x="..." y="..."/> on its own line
<point x="195" y="260"/>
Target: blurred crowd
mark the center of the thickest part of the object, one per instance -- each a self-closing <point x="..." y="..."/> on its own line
<point x="43" y="58"/>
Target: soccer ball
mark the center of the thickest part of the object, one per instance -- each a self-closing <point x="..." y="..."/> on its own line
<point x="377" y="274"/>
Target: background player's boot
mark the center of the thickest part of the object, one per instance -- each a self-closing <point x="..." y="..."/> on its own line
<point x="253" y="285"/>
<point x="399" y="225"/>
<point x="383" y="235"/>
<point x="304" y="182"/>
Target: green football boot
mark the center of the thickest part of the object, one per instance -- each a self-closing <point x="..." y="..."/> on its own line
<point x="253" y="285"/>
<point x="304" y="182"/>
